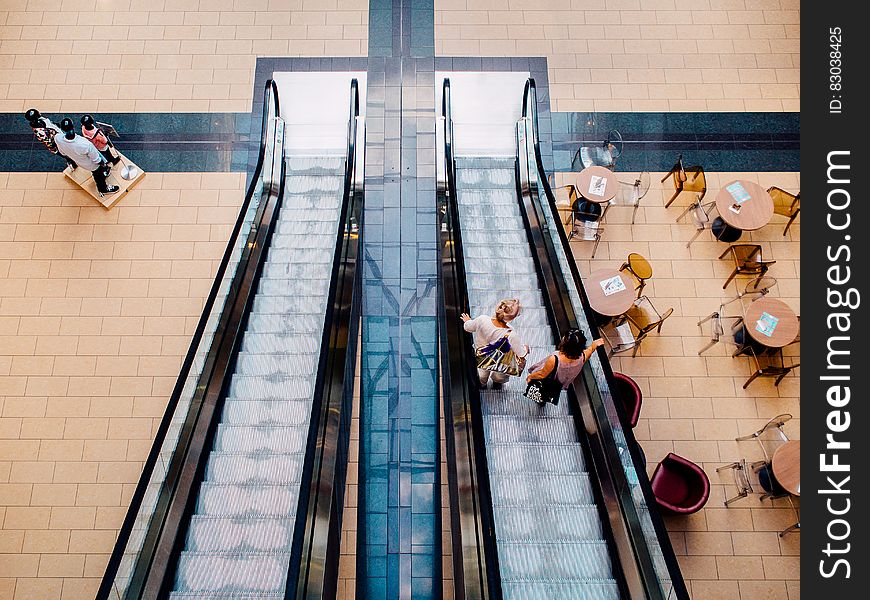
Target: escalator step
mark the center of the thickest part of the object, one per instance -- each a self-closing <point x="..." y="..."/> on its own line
<point x="293" y="288"/>
<point x="311" y="184"/>
<point x="322" y="228"/>
<point x="534" y="490"/>
<point x="291" y="213"/>
<point x="275" y="343"/>
<point x="247" y="500"/>
<point x="251" y="469"/>
<point x="504" y="252"/>
<point x="262" y="388"/>
<point x="283" y="323"/>
<point x="502" y="198"/>
<point x="300" y="364"/>
<point x="278" y="270"/>
<point x="234" y="534"/>
<point x="554" y="561"/>
<point x="232" y="572"/>
<point x="286" y="305"/>
<point x="514" y="403"/>
<point x="486" y="280"/>
<point x="537" y="430"/>
<point x="548" y="523"/>
<point x="266" y="412"/>
<point x="535" y="458"/>
<point x="590" y="589"/>
<point x="303" y="241"/>
<point x="260" y="438"/>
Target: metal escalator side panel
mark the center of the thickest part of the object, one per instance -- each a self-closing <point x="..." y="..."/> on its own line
<point x="539" y="540"/>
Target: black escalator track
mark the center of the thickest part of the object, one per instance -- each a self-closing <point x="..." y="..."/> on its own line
<point x="254" y="486"/>
<point x="542" y="516"/>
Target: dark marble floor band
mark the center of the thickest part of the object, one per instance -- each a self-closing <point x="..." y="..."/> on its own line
<point x="717" y="141"/>
<point x="162" y="142"/>
<point x="221" y="142"/>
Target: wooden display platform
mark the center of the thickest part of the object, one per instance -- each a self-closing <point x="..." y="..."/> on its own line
<point x="84" y="180"/>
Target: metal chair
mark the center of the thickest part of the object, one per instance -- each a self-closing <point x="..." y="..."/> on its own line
<point x="603" y="154"/>
<point x="686" y="179"/>
<point x="741" y="480"/>
<point x="770" y="437"/>
<point x="622" y="338"/>
<point x="724" y="330"/>
<point x="701" y="217"/>
<point x="768" y="364"/>
<point x="785" y="204"/>
<point x="639" y="268"/>
<point x="590" y="231"/>
<point x="748" y="260"/>
<point x="632" y="192"/>
<point x="756" y="478"/>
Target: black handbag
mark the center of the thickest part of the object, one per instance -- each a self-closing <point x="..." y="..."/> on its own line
<point x="547" y="389"/>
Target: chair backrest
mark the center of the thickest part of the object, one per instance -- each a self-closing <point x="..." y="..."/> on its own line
<point x="632" y="192"/>
<point x="760" y="285"/>
<point x="658" y="324"/>
<point x="742" y="253"/>
<point x="784" y="203"/>
<point x="700" y="214"/>
<point x="613" y="144"/>
<point x="587" y="230"/>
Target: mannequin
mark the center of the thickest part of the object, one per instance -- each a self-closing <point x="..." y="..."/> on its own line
<point x="45" y="131"/>
<point x="84" y="154"/>
<point x="99" y="139"/>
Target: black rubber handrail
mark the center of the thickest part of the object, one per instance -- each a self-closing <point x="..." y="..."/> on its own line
<point x="475" y="555"/>
<point x="596" y="420"/>
<point x="313" y="569"/>
<point x="270" y="99"/>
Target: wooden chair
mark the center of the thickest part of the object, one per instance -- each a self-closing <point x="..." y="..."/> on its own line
<point x="768" y="364"/>
<point x="639" y="268"/>
<point x="785" y="204"/>
<point x="748" y="260"/>
<point x="686" y="179"/>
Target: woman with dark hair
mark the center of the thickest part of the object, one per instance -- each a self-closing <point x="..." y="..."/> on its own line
<point x="565" y="364"/>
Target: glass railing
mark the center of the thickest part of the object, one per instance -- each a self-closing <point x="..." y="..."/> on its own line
<point x="124" y="572"/>
<point x="656" y="564"/>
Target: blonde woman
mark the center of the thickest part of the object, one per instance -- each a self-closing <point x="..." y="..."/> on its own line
<point x="490" y="329"/>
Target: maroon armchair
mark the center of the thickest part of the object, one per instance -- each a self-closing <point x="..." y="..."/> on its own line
<point x="630" y="396"/>
<point x="680" y="486"/>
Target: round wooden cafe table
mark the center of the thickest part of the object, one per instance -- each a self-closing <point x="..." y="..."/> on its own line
<point x="786" y="328"/>
<point x="584" y="178"/>
<point x="754" y="213"/>
<point x="615" y="304"/>
<point x="786" y="464"/>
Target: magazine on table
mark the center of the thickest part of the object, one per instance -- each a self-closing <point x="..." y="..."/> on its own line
<point x="612" y="285"/>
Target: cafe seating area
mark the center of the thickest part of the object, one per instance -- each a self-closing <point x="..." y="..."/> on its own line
<point x="699" y="305"/>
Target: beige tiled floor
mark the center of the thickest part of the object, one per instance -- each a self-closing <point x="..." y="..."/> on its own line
<point x="696" y="406"/>
<point x="161" y="55"/>
<point x="96" y="312"/>
<point x="640" y="55"/>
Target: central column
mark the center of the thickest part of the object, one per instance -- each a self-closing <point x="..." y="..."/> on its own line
<point x="399" y="528"/>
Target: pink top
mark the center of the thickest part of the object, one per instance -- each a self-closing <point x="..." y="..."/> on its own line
<point x="567" y="370"/>
<point x="97" y="138"/>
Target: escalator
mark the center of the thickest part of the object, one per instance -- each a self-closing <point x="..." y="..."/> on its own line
<point x="549" y="536"/>
<point x="242" y="494"/>
<point x="544" y="503"/>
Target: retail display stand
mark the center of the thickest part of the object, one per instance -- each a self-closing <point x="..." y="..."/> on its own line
<point x="125" y="168"/>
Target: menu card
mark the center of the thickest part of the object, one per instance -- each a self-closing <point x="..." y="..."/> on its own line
<point x="613" y="285"/>
<point x="766" y="324"/>
<point x="597" y="185"/>
<point x="738" y="192"/>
